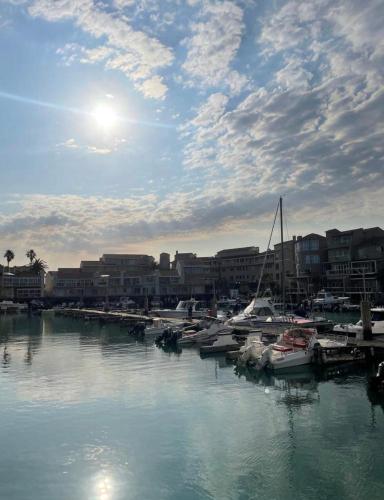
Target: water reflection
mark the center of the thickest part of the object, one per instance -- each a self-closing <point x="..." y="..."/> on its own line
<point x="103" y="487"/>
<point x="18" y="332"/>
<point x="297" y="387"/>
<point x="90" y="412"/>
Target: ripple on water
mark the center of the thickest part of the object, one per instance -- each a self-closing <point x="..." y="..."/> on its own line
<point x="88" y="411"/>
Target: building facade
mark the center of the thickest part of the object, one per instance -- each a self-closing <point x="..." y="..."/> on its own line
<point x="20" y="283"/>
<point x="355" y="261"/>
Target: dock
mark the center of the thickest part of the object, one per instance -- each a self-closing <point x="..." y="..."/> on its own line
<point x="104" y="316"/>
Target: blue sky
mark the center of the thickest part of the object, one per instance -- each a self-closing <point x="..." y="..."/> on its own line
<point x="214" y="110"/>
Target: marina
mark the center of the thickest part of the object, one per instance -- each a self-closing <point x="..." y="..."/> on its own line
<point x="106" y="410"/>
<point x="192" y="250"/>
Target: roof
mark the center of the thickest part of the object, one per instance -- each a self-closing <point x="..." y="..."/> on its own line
<point x="125" y="256"/>
<point x="311" y="236"/>
<point x="230" y="252"/>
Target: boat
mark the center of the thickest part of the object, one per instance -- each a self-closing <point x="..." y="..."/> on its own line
<point x="183" y="310"/>
<point x="295" y="348"/>
<point x="261" y="314"/>
<point x="353" y="329"/>
<point x="251" y="353"/>
<point x="332" y="341"/>
<point x="325" y="300"/>
<point x="159" y="325"/>
<point x="8" y="306"/>
<point x="209" y="334"/>
<point x="223" y="343"/>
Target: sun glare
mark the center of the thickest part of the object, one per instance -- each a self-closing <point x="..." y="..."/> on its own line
<point x="105" y="117"/>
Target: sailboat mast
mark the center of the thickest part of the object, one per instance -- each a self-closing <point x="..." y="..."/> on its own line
<point x="282" y="275"/>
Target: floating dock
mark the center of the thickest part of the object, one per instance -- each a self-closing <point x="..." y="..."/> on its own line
<point x="104" y="316"/>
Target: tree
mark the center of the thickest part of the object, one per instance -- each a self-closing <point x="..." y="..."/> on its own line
<point x="31" y="254"/>
<point x="9" y="255"/>
<point x="39" y="266"/>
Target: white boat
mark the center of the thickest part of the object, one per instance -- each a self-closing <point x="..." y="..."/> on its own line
<point x="224" y="342"/>
<point x="183" y="309"/>
<point x="251" y="353"/>
<point x="295" y="348"/>
<point x="8" y="306"/>
<point x="377" y="321"/>
<point x="261" y="314"/>
<point x="332" y="341"/>
<point x="326" y="300"/>
<point x="217" y="328"/>
<point x="159" y="325"/>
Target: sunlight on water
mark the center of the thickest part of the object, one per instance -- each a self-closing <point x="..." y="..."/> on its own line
<point x="90" y="413"/>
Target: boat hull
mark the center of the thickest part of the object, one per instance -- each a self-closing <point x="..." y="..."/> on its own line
<point x="290" y="360"/>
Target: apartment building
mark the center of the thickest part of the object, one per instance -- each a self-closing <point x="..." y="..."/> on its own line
<point x="355" y="259"/>
<point x="21" y="283"/>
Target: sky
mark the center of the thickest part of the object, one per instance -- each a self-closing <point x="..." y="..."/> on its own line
<point x="143" y="126"/>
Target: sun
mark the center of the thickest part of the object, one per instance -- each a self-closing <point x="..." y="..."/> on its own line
<point x="105" y="117"/>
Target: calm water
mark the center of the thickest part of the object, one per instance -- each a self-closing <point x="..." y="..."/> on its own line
<point x="88" y="413"/>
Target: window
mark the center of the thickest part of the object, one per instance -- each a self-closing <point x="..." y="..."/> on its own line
<point x="312" y="259"/>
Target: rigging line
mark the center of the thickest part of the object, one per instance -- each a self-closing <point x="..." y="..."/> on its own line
<point x="266" y="253"/>
<point x="286" y="223"/>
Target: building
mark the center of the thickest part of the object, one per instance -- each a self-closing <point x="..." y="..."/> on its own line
<point x="199" y="275"/>
<point x="355" y="261"/>
<point x="310" y="257"/>
<point x="241" y="268"/>
<point x="21" y="283"/>
<point x="290" y="281"/>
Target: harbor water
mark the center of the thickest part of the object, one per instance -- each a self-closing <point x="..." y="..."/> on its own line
<point x="88" y="412"/>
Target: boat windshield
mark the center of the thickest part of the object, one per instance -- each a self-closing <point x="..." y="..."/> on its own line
<point x="378" y="315"/>
<point x="262" y="311"/>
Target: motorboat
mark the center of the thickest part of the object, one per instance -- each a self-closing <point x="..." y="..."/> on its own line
<point x="183" y="310"/>
<point x="159" y="325"/>
<point x="261" y="314"/>
<point x="251" y="353"/>
<point x="353" y="329"/>
<point x="209" y="334"/>
<point x="223" y="343"/>
<point x="325" y="300"/>
<point x="8" y="306"/>
<point x="332" y="341"/>
<point x="295" y="348"/>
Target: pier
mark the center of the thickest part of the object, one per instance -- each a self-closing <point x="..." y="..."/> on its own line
<point x="104" y="316"/>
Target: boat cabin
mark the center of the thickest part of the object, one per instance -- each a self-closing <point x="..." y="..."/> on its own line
<point x="377" y="314"/>
<point x="184" y="305"/>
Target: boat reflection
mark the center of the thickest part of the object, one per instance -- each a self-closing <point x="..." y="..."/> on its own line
<point x="297" y="387"/>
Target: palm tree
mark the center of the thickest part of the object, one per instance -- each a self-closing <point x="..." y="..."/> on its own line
<point x="31" y="254"/>
<point x="39" y="266"/>
<point x="9" y="255"/>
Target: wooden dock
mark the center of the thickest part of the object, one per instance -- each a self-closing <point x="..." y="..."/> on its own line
<point x="105" y="316"/>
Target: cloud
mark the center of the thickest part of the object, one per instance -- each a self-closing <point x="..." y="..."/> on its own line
<point x="99" y="151"/>
<point x="135" y="53"/>
<point x="310" y="128"/>
<point x="110" y="146"/>
<point x="213" y="46"/>
<point x="153" y="87"/>
<point x="313" y="132"/>
<point x="69" y="143"/>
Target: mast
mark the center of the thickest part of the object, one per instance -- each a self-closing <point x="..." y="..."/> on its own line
<point x="282" y="270"/>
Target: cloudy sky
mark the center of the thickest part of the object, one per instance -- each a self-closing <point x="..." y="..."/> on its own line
<point x="156" y="125"/>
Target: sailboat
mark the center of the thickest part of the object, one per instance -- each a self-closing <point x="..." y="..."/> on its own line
<point x="261" y="313"/>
